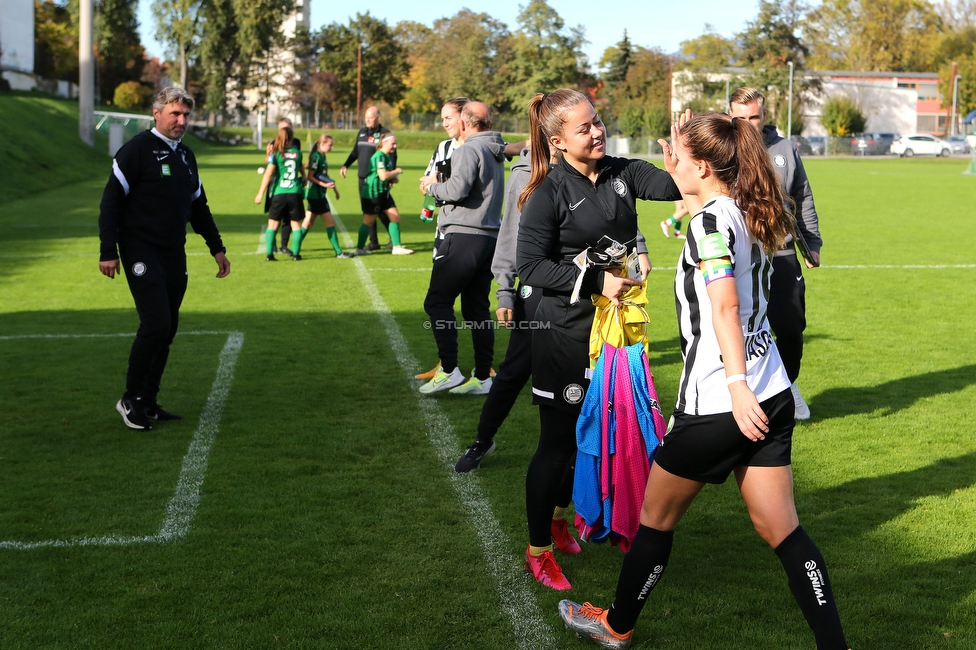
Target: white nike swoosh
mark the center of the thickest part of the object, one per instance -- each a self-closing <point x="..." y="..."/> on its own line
<point x="799" y="278"/>
<point x="437" y="257"/>
<point x="573" y="206"/>
<point x="163" y="158"/>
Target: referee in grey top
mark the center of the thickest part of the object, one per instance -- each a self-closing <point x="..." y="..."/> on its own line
<point x="154" y="190"/>
<point x="787" y="299"/>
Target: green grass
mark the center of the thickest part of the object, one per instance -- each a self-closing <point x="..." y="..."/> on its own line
<point x="41" y="149"/>
<point x="328" y="520"/>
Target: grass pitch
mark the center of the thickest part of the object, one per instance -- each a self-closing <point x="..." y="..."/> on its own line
<point x="329" y="515"/>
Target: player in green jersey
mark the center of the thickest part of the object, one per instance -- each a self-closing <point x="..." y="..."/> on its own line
<point x="317" y="172"/>
<point x="285" y="168"/>
<point x="375" y="196"/>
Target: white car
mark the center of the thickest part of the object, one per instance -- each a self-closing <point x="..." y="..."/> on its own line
<point x="920" y="143"/>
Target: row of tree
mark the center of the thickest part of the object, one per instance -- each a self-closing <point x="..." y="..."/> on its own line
<point x="222" y="47"/>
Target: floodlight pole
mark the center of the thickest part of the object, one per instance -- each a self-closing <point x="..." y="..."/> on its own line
<point x="359" y="81"/>
<point x="955" y="101"/>
<point x="86" y="73"/>
<point x="789" y="112"/>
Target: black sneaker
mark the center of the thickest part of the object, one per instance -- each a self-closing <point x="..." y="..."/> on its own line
<point x="297" y="258"/>
<point x="271" y="258"/>
<point x="473" y="456"/>
<point x="372" y="247"/>
<point x="287" y="251"/>
<point x="156" y="412"/>
<point x="133" y="413"/>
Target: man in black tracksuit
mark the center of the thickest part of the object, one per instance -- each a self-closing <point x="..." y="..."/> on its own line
<point x="787" y="292"/>
<point x="367" y="142"/>
<point x="153" y="191"/>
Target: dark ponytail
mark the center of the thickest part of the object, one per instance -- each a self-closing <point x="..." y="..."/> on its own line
<point x="546" y="117"/>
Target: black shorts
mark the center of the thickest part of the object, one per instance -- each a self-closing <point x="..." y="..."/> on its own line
<point x="287" y="207"/>
<point x="319" y="206"/>
<point x="381" y="203"/>
<point x="708" y="447"/>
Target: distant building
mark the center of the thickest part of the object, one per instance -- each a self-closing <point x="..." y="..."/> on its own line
<point x="893" y="102"/>
<point x="17" y="43"/>
<point x="271" y="94"/>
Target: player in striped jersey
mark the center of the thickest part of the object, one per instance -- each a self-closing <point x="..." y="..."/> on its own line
<point x="735" y="407"/>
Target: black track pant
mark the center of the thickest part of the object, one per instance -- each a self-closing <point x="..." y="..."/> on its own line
<point x="787" y="311"/>
<point x="157" y="279"/>
<point x="549" y="481"/>
<point x="462" y="267"/>
<point x="515" y="370"/>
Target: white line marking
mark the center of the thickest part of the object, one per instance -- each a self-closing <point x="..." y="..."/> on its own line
<point x="512" y="582"/>
<point x="182" y="507"/>
<point x="103" y="336"/>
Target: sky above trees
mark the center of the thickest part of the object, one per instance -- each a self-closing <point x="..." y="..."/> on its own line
<point x="649" y="23"/>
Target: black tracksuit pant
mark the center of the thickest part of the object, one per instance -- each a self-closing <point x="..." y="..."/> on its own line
<point x="157" y="279"/>
<point x="787" y="311"/>
<point x="515" y="370"/>
<point x="462" y="267"/>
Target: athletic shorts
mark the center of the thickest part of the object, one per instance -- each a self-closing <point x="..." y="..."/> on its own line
<point x="708" y="447"/>
<point x="319" y="206"/>
<point x="287" y="207"/>
<point x="381" y="203"/>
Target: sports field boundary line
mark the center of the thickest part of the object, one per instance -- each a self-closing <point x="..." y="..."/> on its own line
<point x="511" y="581"/>
<point x="183" y="505"/>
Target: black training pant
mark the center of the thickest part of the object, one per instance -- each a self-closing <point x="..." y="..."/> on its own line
<point x="515" y="370"/>
<point x="157" y="279"/>
<point x="549" y="479"/>
<point x="787" y="311"/>
<point x="462" y="267"/>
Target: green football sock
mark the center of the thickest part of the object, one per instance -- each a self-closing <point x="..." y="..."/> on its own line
<point x="296" y="241"/>
<point x="363" y="236"/>
<point x="304" y="232"/>
<point x="269" y="236"/>
<point x="394" y="233"/>
<point x="333" y="239"/>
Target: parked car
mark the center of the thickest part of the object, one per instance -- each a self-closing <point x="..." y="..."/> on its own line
<point x="920" y="143"/>
<point x="818" y="144"/>
<point x="801" y="145"/>
<point x="958" y="143"/>
<point x="872" y="144"/>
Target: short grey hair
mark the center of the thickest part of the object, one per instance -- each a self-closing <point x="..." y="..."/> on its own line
<point x="171" y="94"/>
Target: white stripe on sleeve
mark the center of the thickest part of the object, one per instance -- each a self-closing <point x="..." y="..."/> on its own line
<point x="120" y="176"/>
<point x="196" y="195"/>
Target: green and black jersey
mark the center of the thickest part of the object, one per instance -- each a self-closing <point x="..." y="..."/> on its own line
<point x="289" y="167"/>
<point x="317" y="166"/>
<point x="373" y="187"/>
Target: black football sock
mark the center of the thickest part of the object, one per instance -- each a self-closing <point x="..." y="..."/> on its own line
<point x="807" y="575"/>
<point x="641" y="570"/>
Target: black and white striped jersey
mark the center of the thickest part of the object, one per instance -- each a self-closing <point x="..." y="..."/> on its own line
<point x="703" y="390"/>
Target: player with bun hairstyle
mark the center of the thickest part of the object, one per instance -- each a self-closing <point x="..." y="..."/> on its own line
<point x="567" y="210"/>
<point x="734" y="413"/>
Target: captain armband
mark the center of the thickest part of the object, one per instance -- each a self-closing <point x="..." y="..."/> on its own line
<point x="714" y="270"/>
<point x="716" y="259"/>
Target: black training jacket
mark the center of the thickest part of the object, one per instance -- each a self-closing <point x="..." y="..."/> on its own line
<point x="367" y="143"/>
<point x="568" y="214"/>
<point x="152" y="193"/>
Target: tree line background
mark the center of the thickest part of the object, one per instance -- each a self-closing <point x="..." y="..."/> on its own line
<point x="219" y="48"/>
